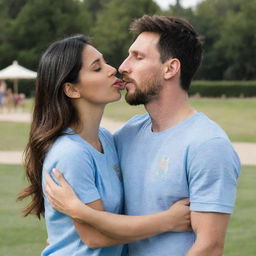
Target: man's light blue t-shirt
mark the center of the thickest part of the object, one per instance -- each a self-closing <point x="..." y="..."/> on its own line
<point x="193" y="159"/>
<point x="93" y="176"/>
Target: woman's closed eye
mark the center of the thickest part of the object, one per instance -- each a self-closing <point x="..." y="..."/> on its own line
<point x="97" y="69"/>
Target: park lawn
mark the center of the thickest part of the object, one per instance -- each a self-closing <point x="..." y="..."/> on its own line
<point x="19" y="236"/>
<point x="240" y="240"/>
<point x="14" y="136"/>
<point x="236" y="116"/>
<point x="29" y="104"/>
<point x="26" y="236"/>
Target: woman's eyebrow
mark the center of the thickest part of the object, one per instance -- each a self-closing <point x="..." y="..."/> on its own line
<point x="95" y="61"/>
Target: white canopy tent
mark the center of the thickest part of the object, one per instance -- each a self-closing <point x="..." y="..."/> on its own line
<point x="16" y="72"/>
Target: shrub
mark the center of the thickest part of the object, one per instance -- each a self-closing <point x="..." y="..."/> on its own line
<point x="223" y="88"/>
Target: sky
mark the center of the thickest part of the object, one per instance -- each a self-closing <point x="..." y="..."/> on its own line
<point x="185" y="3"/>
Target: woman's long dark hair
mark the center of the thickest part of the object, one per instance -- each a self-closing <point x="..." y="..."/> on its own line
<point x="53" y="112"/>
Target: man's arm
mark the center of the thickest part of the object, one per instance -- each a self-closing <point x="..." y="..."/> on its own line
<point x="213" y="171"/>
<point x="210" y="229"/>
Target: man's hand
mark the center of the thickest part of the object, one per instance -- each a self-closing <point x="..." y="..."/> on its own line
<point x="61" y="197"/>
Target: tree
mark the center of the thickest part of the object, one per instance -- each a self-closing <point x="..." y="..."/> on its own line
<point x="39" y="23"/>
<point x="238" y="42"/>
<point x="9" y="9"/>
<point x="208" y="19"/>
<point x="215" y="20"/>
<point x="111" y="33"/>
<point x="93" y="7"/>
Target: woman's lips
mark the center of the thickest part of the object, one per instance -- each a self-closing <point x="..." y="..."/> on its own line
<point x="119" y="84"/>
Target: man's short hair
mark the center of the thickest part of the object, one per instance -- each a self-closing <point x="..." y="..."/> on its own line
<point x="178" y="39"/>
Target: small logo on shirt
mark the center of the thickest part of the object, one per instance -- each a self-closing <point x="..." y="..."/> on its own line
<point x="163" y="166"/>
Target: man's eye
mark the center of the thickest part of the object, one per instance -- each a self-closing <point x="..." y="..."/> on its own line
<point x="139" y="57"/>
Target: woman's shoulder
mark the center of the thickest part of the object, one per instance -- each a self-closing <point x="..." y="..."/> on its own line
<point x="107" y="135"/>
<point x="68" y="145"/>
<point x="67" y="152"/>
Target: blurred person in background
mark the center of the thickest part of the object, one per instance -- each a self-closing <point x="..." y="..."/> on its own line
<point x="19" y="101"/>
<point x="9" y="100"/>
<point x="2" y="94"/>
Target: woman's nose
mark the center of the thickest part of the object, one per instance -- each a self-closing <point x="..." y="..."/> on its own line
<point x="112" y="71"/>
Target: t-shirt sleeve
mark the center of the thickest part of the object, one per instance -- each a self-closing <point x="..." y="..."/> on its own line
<point x="78" y="169"/>
<point x="212" y="176"/>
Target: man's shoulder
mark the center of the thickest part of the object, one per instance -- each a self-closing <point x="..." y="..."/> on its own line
<point x="208" y="138"/>
<point x="137" y="120"/>
<point x="204" y="129"/>
<point x="133" y="124"/>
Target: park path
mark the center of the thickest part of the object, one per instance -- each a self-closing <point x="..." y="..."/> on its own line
<point x="246" y="151"/>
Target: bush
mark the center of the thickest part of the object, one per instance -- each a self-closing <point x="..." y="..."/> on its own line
<point x="223" y="88"/>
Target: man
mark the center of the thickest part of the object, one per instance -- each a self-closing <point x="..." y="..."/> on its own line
<point x="172" y="152"/>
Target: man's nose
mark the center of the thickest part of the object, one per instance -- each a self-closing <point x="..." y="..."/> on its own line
<point x="124" y="67"/>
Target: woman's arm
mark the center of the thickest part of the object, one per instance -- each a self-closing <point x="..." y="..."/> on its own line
<point x="92" y="237"/>
<point x="128" y="228"/>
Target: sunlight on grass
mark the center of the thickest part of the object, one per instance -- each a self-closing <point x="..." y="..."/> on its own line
<point x="15" y="135"/>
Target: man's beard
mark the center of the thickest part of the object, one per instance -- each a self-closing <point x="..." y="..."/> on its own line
<point x="151" y="89"/>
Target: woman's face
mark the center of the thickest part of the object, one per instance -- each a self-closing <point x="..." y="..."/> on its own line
<point x="97" y="82"/>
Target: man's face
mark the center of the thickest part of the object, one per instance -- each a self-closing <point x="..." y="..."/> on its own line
<point x="142" y="70"/>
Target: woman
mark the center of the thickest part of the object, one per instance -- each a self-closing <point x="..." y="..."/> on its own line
<point x="74" y="84"/>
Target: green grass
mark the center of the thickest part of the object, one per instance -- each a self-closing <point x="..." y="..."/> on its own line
<point x="236" y="116"/>
<point x="28" y="104"/>
<point x="18" y="236"/>
<point x="240" y="240"/>
<point x="27" y="236"/>
<point x="14" y="136"/>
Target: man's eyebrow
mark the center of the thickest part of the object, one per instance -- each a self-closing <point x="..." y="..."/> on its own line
<point x="136" y="52"/>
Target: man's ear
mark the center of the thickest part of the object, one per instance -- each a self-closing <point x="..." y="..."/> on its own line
<point x="71" y="91"/>
<point x="171" y="68"/>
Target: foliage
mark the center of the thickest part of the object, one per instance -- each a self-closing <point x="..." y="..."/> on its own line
<point x="111" y="29"/>
<point x="227" y="28"/>
<point x="223" y="88"/>
<point x="228" y="31"/>
<point x="38" y="23"/>
<point x="237" y="39"/>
